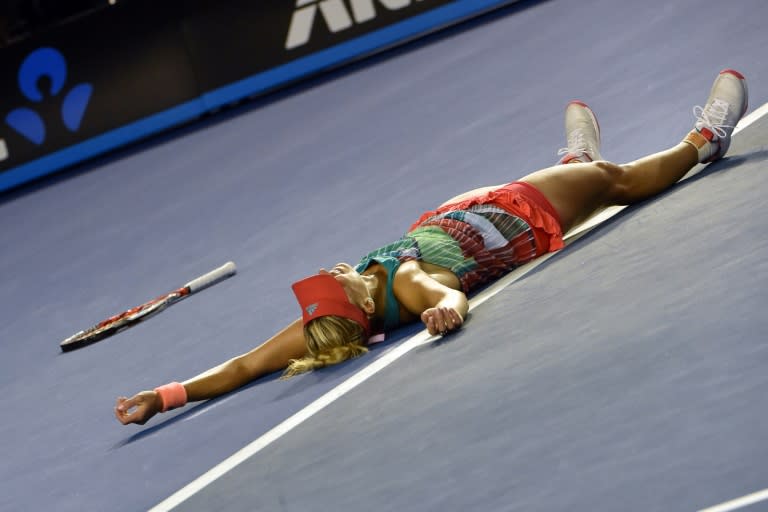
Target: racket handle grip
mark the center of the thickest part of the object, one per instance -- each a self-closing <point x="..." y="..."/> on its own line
<point x="212" y="277"/>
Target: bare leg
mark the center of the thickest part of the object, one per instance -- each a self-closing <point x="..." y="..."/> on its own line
<point x="578" y="190"/>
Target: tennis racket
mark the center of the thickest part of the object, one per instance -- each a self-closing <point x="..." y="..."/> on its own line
<point x="117" y="323"/>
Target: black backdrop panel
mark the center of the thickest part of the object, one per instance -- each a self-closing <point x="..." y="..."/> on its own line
<point x="132" y="57"/>
<point x="236" y="39"/>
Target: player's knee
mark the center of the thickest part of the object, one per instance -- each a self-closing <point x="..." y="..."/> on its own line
<point x="611" y="170"/>
<point x="615" y="177"/>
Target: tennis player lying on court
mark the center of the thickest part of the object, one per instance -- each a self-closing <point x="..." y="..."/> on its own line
<point x="468" y="241"/>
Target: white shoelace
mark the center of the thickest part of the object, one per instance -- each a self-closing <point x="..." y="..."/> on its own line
<point x="577" y="144"/>
<point x="713" y="116"/>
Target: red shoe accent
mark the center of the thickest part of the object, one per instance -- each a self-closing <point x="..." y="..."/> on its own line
<point x="733" y="72"/>
<point x="707" y="134"/>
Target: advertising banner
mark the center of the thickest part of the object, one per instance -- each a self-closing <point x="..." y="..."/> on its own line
<point x="234" y="40"/>
<point x="242" y="48"/>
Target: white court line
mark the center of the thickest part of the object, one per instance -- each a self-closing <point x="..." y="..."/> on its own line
<point x="388" y="358"/>
<point x="744" y="501"/>
<point x="751" y="118"/>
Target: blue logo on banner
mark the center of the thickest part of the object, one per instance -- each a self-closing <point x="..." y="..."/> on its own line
<point x="47" y="63"/>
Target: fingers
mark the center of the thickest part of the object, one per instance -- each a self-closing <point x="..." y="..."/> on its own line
<point x="122" y="408"/>
<point x="441" y="320"/>
<point x="129" y="410"/>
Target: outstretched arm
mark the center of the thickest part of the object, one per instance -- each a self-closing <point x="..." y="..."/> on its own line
<point x="271" y="356"/>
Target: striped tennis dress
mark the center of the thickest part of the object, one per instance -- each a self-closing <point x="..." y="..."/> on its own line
<point x="481" y="238"/>
<point x="478" y="244"/>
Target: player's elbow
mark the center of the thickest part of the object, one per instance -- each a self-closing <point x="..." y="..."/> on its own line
<point x="241" y="372"/>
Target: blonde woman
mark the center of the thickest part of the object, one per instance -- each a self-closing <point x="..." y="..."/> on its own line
<point x="466" y="242"/>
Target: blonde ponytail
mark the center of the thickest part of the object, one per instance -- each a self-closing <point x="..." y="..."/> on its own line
<point x="330" y="340"/>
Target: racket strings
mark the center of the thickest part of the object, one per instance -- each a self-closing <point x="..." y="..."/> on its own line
<point x="138" y="311"/>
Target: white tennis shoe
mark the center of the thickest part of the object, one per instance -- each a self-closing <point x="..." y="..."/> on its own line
<point x="583" y="134"/>
<point x="716" y="120"/>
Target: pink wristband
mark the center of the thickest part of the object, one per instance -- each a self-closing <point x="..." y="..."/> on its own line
<point x="172" y="395"/>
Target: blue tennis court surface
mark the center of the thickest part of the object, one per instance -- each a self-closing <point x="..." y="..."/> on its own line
<point x="625" y="373"/>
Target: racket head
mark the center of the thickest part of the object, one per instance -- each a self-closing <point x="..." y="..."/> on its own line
<point x="117" y="323"/>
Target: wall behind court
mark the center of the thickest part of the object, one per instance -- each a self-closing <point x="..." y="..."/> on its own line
<point x="138" y="67"/>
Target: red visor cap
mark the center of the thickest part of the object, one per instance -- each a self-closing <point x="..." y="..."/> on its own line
<point x="322" y="295"/>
